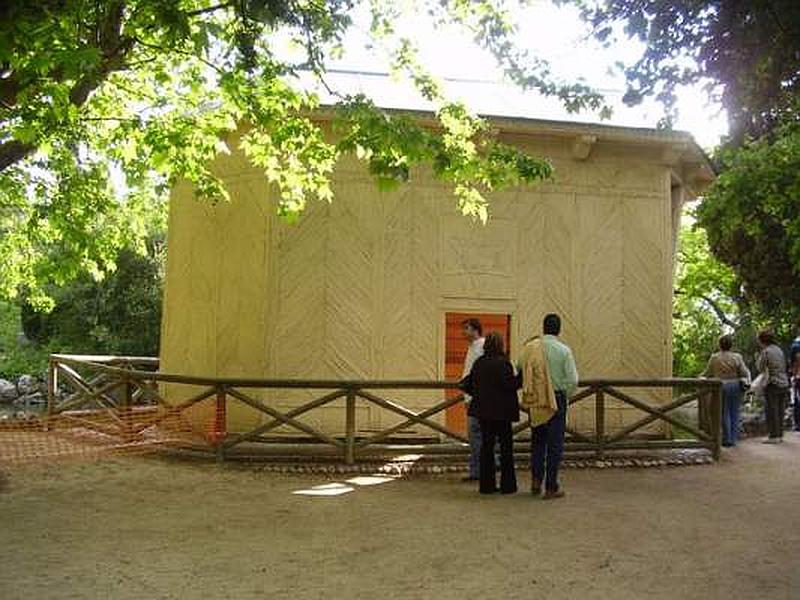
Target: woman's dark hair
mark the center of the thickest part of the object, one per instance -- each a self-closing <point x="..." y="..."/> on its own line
<point x="766" y="337"/>
<point x="473" y="323"/>
<point x="493" y="345"/>
<point x="552" y="324"/>
<point x="725" y="342"/>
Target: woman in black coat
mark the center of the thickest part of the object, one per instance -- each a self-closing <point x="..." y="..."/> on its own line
<point x="493" y="387"/>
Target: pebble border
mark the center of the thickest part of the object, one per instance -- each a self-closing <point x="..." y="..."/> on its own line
<point x="405" y="469"/>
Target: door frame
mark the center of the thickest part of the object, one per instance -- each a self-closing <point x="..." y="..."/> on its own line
<point x="474" y="305"/>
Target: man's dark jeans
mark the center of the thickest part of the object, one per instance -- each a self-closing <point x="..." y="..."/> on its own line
<point x="731" y="400"/>
<point x="547" y="446"/>
<point x="774" y="407"/>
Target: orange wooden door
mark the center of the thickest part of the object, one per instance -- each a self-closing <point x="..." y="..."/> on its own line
<point x="456" y="350"/>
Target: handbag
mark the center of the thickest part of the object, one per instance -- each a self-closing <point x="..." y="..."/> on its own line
<point x="759" y="385"/>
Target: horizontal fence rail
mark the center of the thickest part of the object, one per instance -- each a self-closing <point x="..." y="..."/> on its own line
<point x="123" y="396"/>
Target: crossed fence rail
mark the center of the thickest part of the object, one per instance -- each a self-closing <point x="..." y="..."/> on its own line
<point x="123" y="397"/>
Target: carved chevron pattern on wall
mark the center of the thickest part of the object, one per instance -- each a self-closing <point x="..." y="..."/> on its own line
<point x="359" y="288"/>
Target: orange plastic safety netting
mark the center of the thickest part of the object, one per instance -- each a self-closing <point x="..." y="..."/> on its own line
<point x="108" y="405"/>
<point x="94" y="433"/>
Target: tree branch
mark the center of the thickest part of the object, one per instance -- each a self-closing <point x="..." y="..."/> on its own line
<point x="328" y="88"/>
<point x="114" y="47"/>
<point x="128" y="90"/>
<point x="9" y="88"/>
<point x="715" y="307"/>
<point x="13" y="151"/>
<point x="719" y="312"/>
<point x="210" y="9"/>
<point x="182" y="52"/>
<point x="114" y="119"/>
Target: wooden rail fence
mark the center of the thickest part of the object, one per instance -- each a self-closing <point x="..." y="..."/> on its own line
<point x="125" y="392"/>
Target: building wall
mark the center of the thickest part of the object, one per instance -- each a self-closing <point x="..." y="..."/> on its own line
<point x="358" y="288"/>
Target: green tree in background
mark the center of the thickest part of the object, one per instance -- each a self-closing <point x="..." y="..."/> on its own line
<point x="147" y="90"/>
<point x="120" y="314"/>
<point x="17" y="356"/>
<point x="752" y="215"/>
<point x="745" y="52"/>
<point x="704" y="304"/>
<point x="709" y="301"/>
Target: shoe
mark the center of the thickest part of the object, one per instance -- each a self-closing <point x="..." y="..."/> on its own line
<point x="469" y="478"/>
<point x="514" y="491"/>
<point x="536" y="487"/>
<point x="554" y="495"/>
<point x="771" y="441"/>
<point x="490" y="491"/>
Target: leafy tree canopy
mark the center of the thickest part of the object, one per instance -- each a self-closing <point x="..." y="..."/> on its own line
<point x="147" y="90"/>
<point x="752" y="215"/>
<point x="121" y="314"/>
<point x="704" y="304"/>
<point x="747" y="51"/>
<point x="700" y="279"/>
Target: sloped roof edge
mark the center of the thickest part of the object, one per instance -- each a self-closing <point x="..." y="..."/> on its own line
<point x="690" y="149"/>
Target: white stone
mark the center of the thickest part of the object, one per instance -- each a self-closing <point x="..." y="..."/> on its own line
<point x="8" y="391"/>
<point x="27" y="385"/>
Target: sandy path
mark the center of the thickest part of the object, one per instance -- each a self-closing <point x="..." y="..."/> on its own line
<point x="151" y="528"/>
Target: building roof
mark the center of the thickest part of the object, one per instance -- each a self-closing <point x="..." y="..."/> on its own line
<point x="679" y="149"/>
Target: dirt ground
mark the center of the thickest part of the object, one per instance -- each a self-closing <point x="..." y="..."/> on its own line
<point x="154" y="528"/>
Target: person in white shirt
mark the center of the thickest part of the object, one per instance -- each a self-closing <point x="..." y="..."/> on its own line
<point x="473" y="331"/>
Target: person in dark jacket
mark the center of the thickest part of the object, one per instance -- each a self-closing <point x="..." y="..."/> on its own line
<point x="493" y="386"/>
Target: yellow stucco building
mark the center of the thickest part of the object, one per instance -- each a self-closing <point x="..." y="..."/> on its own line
<point x="361" y="288"/>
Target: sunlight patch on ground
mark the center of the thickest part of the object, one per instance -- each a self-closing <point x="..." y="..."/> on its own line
<point x="393" y="470"/>
<point x="328" y="489"/>
<point x="405" y="458"/>
<point x="370" y="480"/>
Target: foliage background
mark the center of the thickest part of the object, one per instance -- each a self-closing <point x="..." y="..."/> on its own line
<point x="120" y="315"/>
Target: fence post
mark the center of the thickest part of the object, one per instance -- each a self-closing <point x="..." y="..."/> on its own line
<point x="716" y="420"/>
<point x="127" y="413"/>
<point x="52" y="388"/>
<point x="350" y="427"/>
<point x="704" y="412"/>
<point x="600" y="422"/>
<point x="220" y="426"/>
